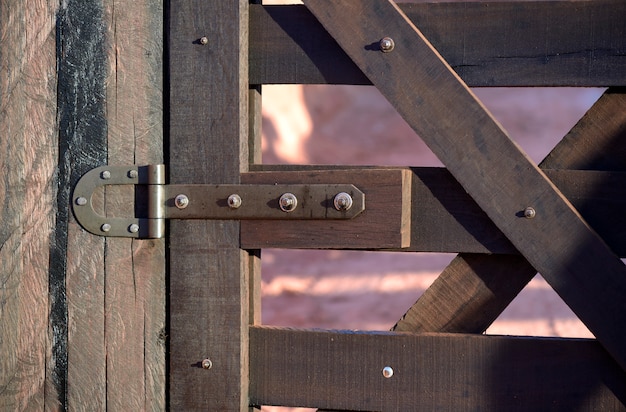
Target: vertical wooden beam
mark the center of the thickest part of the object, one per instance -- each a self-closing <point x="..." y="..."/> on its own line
<point x="28" y="154"/>
<point x="208" y="273"/>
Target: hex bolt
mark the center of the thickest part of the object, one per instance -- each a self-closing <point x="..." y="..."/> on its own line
<point x="529" y="213"/>
<point x="288" y="202"/>
<point x="387" y="372"/>
<point x="342" y="201"/>
<point x="106" y="175"/>
<point x="234" y="201"/>
<point x="386" y="44"/>
<point x="81" y="201"/>
<point x="181" y="201"/>
<point x="132" y="174"/>
<point x="105" y="227"/>
<point x="207" y="364"/>
<point x="134" y="228"/>
<point x="204" y="40"/>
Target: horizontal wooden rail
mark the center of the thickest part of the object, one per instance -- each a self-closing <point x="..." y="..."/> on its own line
<point x="562" y="43"/>
<point x="344" y="370"/>
<point x="442" y="216"/>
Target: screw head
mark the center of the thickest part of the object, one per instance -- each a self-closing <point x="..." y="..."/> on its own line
<point x="387" y="372"/>
<point x="288" y="202"/>
<point x="204" y="40"/>
<point x="81" y="201"/>
<point x="134" y="228"/>
<point x="132" y="174"/>
<point x="105" y="227"/>
<point x="234" y="201"/>
<point x="386" y="44"/>
<point x="529" y="213"/>
<point x="342" y="201"/>
<point x="207" y="364"/>
<point x="181" y="201"/>
<point x="106" y="175"/>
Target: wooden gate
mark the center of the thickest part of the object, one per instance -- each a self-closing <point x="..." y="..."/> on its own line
<point x="92" y="322"/>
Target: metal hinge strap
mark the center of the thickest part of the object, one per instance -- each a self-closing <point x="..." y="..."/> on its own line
<point x="274" y="202"/>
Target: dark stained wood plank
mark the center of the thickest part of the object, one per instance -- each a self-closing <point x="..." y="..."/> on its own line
<point x="560" y="43"/>
<point x="28" y="155"/>
<point x="134" y="285"/>
<point x="384" y="224"/>
<point x="343" y="370"/>
<point x="208" y="273"/>
<point x="473" y="290"/>
<point x="491" y="167"/>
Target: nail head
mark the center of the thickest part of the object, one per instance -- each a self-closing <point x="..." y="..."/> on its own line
<point x="181" y="201"/>
<point x="387" y="372"/>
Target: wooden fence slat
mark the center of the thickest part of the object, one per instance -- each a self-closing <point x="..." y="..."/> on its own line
<point x="473" y="290"/>
<point x="343" y="370"/>
<point x="491" y="167"/>
<point x="557" y="43"/>
<point x="208" y="273"/>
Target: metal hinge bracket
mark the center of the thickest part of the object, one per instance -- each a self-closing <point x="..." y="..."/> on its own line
<point x="222" y="202"/>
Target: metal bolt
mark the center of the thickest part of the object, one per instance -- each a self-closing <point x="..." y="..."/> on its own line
<point x="387" y="372"/>
<point x="81" y="201"/>
<point x="386" y="44"/>
<point x="529" y="213"/>
<point x="234" y="201"/>
<point x="288" y="202"/>
<point x="132" y="174"/>
<point x="204" y="40"/>
<point x="105" y="227"/>
<point x="105" y="175"/>
<point x="207" y="364"/>
<point x="342" y="201"/>
<point x="134" y="228"/>
<point x="181" y="201"/>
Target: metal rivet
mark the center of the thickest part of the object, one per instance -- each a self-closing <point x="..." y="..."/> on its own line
<point x="288" y="202"/>
<point x="105" y="227"/>
<point x="207" y="364"/>
<point x="342" y="201"/>
<point x="81" y="201"/>
<point x="387" y="372"/>
<point x="105" y="175"/>
<point x="204" y="40"/>
<point x="134" y="228"/>
<point x="386" y="44"/>
<point x="181" y="201"/>
<point x="132" y="174"/>
<point x="234" y="201"/>
<point x="529" y="213"/>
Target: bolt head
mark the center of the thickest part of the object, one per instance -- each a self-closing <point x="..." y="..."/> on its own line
<point x="106" y="175"/>
<point x="529" y="213"/>
<point x="204" y="40"/>
<point x="207" y="364"/>
<point x="105" y="227"/>
<point x="386" y="44"/>
<point x="134" y="228"/>
<point x="81" y="201"/>
<point x="342" y="201"/>
<point x="387" y="372"/>
<point x="181" y="201"/>
<point x="132" y="174"/>
<point x="234" y="201"/>
<point x="288" y="202"/>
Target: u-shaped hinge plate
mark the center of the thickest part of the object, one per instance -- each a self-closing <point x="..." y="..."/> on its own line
<point x="223" y="202"/>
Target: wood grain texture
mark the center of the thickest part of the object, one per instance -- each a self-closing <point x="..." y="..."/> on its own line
<point x="28" y="154"/>
<point x="473" y="290"/>
<point x="385" y="223"/>
<point x="490" y="166"/>
<point x="560" y="43"/>
<point x="209" y="279"/>
<point x="134" y="277"/>
<point x="343" y="370"/>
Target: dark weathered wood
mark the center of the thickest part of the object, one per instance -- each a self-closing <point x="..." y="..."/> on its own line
<point x="560" y="43"/>
<point x="491" y="167"/>
<point x="343" y="370"/>
<point x="385" y="223"/>
<point x="473" y="290"/>
<point x="209" y="279"/>
<point x="28" y="155"/>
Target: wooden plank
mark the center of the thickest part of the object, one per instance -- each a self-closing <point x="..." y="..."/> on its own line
<point x="343" y="370"/>
<point x="384" y="224"/>
<point x="134" y="270"/>
<point x="557" y="43"/>
<point x="473" y="290"/>
<point x="490" y="166"/>
<point x="209" y="279"/>
<point x="28" y="154"/>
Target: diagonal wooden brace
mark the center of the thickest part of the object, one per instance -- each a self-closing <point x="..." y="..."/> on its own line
<point x="485" y="161"/>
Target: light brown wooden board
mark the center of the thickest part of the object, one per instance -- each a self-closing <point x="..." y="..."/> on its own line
<point x="562" y="43"/>
<point x="28" y="154"/>
<point x="208" y="273"/>
<point x="490" y="166"/>
<point x="343" y="370"/>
